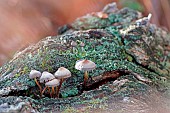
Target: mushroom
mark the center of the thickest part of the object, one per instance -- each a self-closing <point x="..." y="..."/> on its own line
<point x="34" y="74"/>
<point x="73" y="44"/>
<point x="62" y="74"/>
<point x="82" y="46"/>
<point x="85" y="65"/>
<point x="46" y="76"/>
<point x="53" y="83"/>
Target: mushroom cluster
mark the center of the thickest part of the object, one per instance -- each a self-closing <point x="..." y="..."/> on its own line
<point x="48" y="79"/>
<point x="51" y="81"/>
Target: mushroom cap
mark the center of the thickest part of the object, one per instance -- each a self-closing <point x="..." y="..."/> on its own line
<point x="34" y="74"/>
<point x="73" y="43"/>
<point x="54" y="82"/>
<point x="82" y="44"/>
<point x="46" y="76"/>
<point x="85" y="65"/>
<point x="62" y="73"/>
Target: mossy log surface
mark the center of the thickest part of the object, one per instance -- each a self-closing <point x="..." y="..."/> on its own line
<point x="131" y="60"/>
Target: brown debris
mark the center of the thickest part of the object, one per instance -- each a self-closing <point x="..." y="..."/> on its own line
<point x="101" y="15"/>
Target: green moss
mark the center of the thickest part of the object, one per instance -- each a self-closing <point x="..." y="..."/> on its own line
<point x="89" y="22"/>
<point x="17" y="75"/>
<point x="108" y="52"/>
<point x="25" y="70"/>
<point x="105" y="45"/>
<point x="70" y="92"/>
<point x="70" y="110"/>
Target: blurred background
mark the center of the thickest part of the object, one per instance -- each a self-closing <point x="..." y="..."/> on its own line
<point x="23" y="22"/>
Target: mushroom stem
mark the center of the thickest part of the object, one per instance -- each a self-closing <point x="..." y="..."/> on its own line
<point x="85" y="77"/>
<point x="49" y="91"/>
<point x="58" y="89"/>
<point x="73" y="50"/>
<point x="53" y="91"/>
<point x="82" y="49"/>
<point x="38" y="84"/>
<point x="43" y="90"/>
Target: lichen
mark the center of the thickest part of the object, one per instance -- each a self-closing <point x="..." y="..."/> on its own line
<point x="115" y="43"/>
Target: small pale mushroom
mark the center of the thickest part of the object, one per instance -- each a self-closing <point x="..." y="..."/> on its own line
<point x="74" y="44"/>
<point x="34" y="74"/>
<point x="62" y="74"/>
<point x="46" y="76"/>
<point x="53" y="83"/>
<point x="85" y="65"/>
<point x="82" y="46"/>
